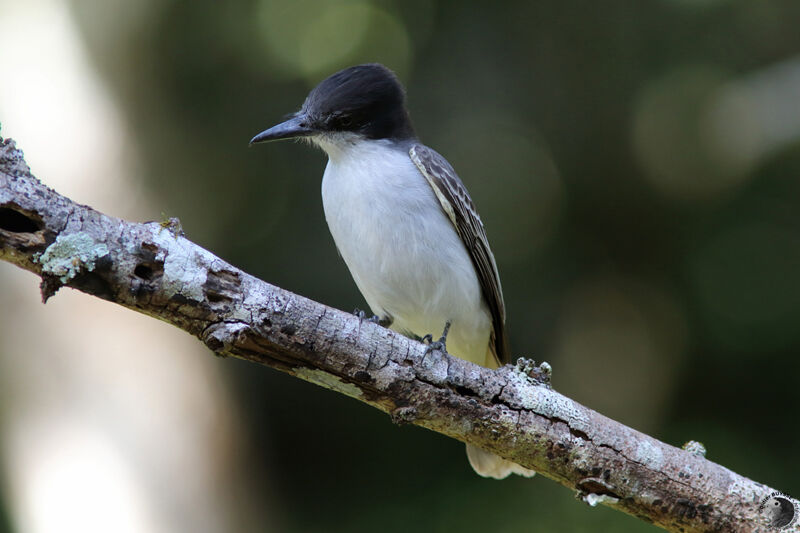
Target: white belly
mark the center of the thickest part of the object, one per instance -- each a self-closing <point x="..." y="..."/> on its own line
<point x="403" y="252"/>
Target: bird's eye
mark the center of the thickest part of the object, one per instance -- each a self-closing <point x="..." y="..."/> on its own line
<point x="346" y="121"/>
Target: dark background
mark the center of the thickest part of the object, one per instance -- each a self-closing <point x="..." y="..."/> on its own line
<point x="635" y="164"/>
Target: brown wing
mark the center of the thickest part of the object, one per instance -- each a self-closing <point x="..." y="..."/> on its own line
<point x="458" y="206"/>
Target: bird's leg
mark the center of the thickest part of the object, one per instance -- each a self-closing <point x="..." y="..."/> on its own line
<point x="386" y="321"/>
<point x="441" y="344"/>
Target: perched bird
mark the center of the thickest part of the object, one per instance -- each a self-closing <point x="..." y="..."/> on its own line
<point x="404" y="223"/>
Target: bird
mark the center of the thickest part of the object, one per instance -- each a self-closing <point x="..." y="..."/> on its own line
<point x="404" y="223"/>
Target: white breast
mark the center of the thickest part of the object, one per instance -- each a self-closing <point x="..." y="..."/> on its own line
<point x="403" y="252"/>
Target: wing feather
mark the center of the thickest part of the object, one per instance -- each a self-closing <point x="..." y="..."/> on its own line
<point x="457" y="205"/>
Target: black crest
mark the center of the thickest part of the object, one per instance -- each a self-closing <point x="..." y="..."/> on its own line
<point x="366" y="99"/>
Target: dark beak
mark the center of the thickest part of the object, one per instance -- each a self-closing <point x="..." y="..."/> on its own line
<point x="297" y="126"/>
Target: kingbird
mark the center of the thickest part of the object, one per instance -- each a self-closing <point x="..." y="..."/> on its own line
<point x="404" y="223"/>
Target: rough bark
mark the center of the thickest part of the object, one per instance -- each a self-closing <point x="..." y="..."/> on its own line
<point x="152" y="268"/>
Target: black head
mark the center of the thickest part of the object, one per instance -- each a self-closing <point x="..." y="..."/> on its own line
<point x="366" y="99"/>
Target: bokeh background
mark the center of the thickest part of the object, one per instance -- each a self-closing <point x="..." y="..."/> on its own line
<point x="636" y="165"/>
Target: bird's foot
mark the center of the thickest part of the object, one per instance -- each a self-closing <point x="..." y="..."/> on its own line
<point x="441" y="344"/>
<point x="375" y="319"/>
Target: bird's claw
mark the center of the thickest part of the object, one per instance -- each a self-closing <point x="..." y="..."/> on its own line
<point x="375" y="319"/>
<point x="441" y="344"/>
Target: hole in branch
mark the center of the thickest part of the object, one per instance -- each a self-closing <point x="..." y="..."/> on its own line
<point x="143" y="271"/>
<point x="149" y="270"/>
<point x="16" y="222"/>
<point x="464" y="391"/>
<point x="215" y="298"/>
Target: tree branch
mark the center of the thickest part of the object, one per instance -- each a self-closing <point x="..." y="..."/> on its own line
<point x="153" y="269"/>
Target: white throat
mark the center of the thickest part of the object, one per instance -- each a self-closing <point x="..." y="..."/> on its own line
<point x="339" y="144"/>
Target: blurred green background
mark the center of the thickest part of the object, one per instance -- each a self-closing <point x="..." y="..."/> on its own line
<point x="636" y="164"/>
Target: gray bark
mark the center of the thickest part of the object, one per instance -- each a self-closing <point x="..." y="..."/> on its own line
<point x="512" y="411"/>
